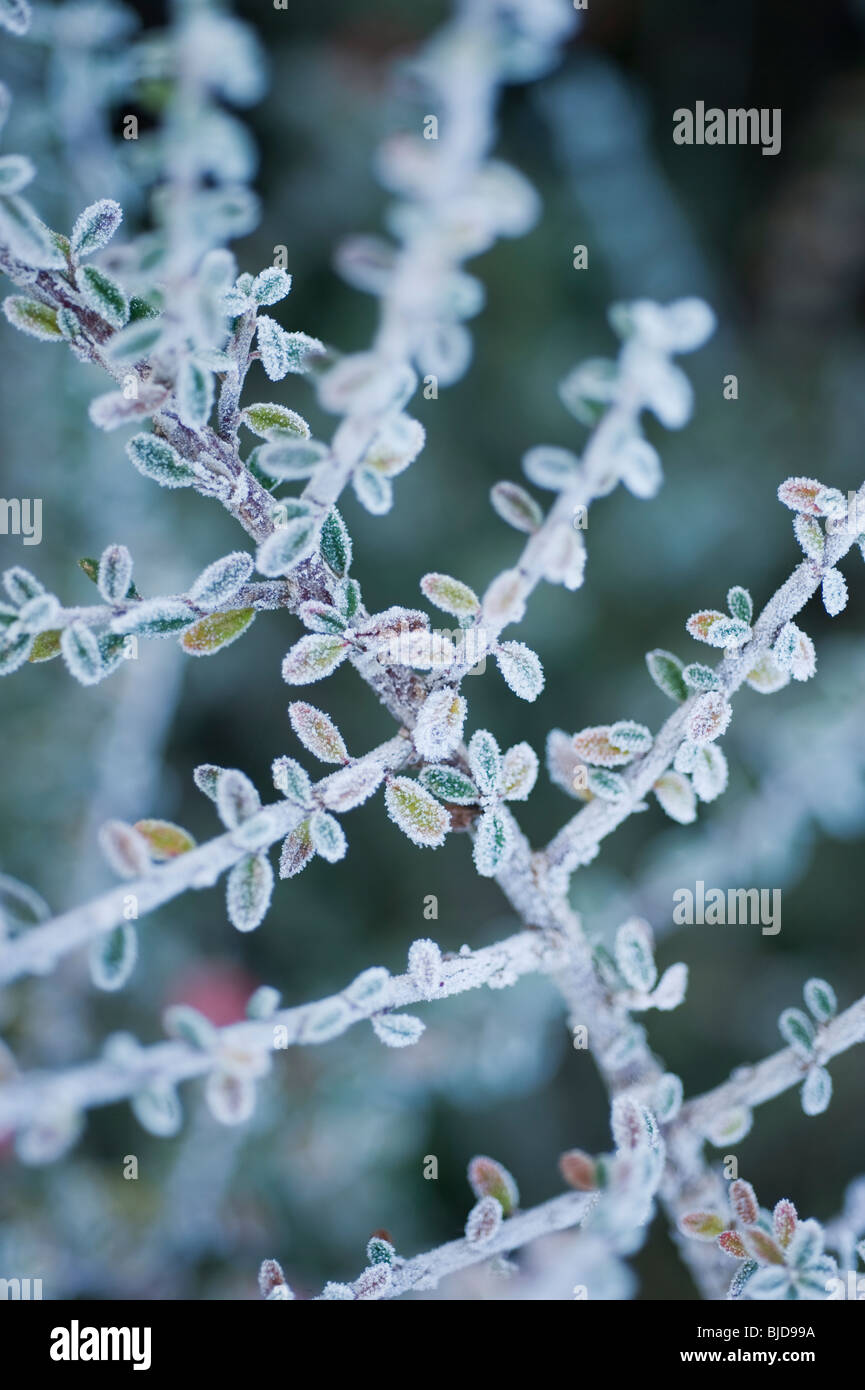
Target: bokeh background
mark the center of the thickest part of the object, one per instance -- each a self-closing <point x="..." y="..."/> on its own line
<point x="777" y="245"/>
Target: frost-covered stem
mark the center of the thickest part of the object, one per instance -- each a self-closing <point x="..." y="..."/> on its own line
<point x="103" y="1082"/>
<point x="265" y="596"/>
<point x="36" y="951"/>
<point x="755" y="1085"/>
<point x="425" y="1271"/>
<point x="577" y="841"/>
<point x="468" y="83"/>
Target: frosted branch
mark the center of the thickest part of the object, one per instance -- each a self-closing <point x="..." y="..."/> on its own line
<point x="105" y="1081"/>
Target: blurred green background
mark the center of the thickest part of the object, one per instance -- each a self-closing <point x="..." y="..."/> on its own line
<point x="337" y="1147"/>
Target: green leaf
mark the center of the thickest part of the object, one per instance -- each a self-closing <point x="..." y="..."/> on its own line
<point x="797" y="1030"/>
<point x="104" y="296"/>
<point x="35" y="319"/>
<point x="216" y="631"/>
<point x="271" y="421"/>
<point x="184" y="1022"/>
<point x="449" y="784"/>
<point x="95" y="227"/>
<point x="820" y="998"/>
<point x="46" y="646"/>
<point x="610" y="786"/>
<point x="248" y="892"/>
<point x="451" y="595"/>
<point x="666" y="671"/>
<point x="335" y="543"/>
<point x="516" y="506"/>
<point x="634" y="954"/>
<point x="317" y="732"/>
<point x="313" y="658"/>
<point x="700" y="677"/>
<point x="166" y="840"/>
<point x="418" y="815"/>
<point x="157" y="617"/>
<point x="159" y="460"/>
<point x="113" y="957"/>
<point x="740" y="604"/>
<point x="287" y="547"/>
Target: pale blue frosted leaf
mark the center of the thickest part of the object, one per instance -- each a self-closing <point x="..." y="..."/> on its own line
<point x="115" y="573"/>
<point x="113" y="957"/>
<point x="95" y="227"/>
<point x="248" y="892"/>
<point x="81" y="653"/>
<point x="218" y="584"/>
<point x="195" y="392"/>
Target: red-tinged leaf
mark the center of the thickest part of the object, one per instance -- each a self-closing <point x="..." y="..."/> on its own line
<point x="762" y="1246"/>
<point x="800" y="495"/>
<point x="165" y="839"/>
<point x="700" y="624"/>
<point x="702" y="1225"/>
<point x="484" y="1221"/>
<point x="595" y="746"/>
<point x="732" y="1243"/>
<point x="489" y="1178"/>
<point x="579" y="1170"/>
<point x="297" y="851"/>
<point x="269" y="1276"/>
<point x="743" y="1201"/>
<point x="784" y="1221"/>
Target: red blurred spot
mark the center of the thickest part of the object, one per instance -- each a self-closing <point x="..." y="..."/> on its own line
<point x="218" y="990"/>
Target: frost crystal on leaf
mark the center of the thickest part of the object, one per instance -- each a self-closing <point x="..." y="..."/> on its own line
<point x="519" y="772"/>
<point x="157" y="459"/>
<point x="317" y="732"/>
<point x="424" y="967"/>
<point x="489" y="1178"/>
<point x="115" y="573"/>
<point x="81" y="653"/>
<point x="313" y="658"/>
<point x="451" y="595"/>
<point x="521" y="668"/>
<point x="95" y="227"/>
<point x="113" y="957"/>
<point x="834" y="592"/>
<point x="485" y="761"/>
<point x="397" y="1030"/>
<point x="484" y="1220"/>
<point x="217" y="585"/>
<point x="666" y="671"/>
<point x="236" y="797"/>
<point x="515" y="506"/>
<point x="677" y="797"/>
<point x="709" y="717"/>
<point x="439" y="725"/>
<point x="492" y="840"/>
<point x="327" y="837"/>
<point x="418" y="815"/>
<point x="248" y="892"/>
